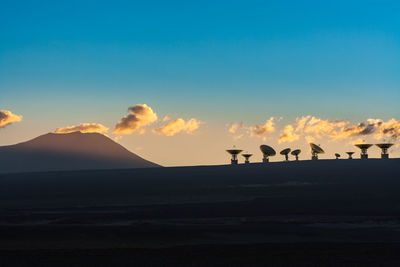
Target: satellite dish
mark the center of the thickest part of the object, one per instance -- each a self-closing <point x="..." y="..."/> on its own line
<point x="296" y="153"/>
<point x="286" y="152"/>
<point x="364" y="148"/>
<point x="384" y="147"/>
<point x="247" y="158"/>
<point x="267" y="152"/>
<point x="315" y="150"/>
<point x="337" y="155"/>
<point x="350" y="155"/>
<point x="234" y="152"/>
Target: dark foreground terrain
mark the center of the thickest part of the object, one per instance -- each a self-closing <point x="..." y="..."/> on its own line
<point x="325" y="213"/>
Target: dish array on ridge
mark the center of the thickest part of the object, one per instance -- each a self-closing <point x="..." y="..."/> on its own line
<point x="268" y="152"/>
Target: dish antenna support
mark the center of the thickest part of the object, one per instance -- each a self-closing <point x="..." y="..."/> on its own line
<point x="247" y="158"/>
<point x="315" y="150"/>
<point x="296" y="153"/>
<point x="267" y="152"/>
<point x="234" y="153"/>
<point x="384" y="147"/>
<point x="285" y="153"/>
<point x="364" y="149"/>
<point x="337" y="155"/>
<point x="350" y="155"/>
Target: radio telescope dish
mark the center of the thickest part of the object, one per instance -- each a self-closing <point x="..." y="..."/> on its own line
<point x="337" y="155"/>
<point x="234" y="152"/>
<point x="350" y="155"/>
<point x="364" y="148"/>
<point x="315" y="150"/>
<point x="296" y="153"/>
<point x="285" y="153"/>
<point x="384" y="147"/>
<point x="247" y="158"/>
<point x="267" y="152"/>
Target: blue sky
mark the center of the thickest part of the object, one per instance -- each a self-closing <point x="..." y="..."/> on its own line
<point x="65" y="62"/>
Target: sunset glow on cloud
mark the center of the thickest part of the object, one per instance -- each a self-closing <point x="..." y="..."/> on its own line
<point x="83" y="128"/>
<point x="7" y="118"/>
<point x="235" y="126"/>
<point x="139" y="115"/>
<point x="288" y="135"/>
<point x="266" y="128"/>
<point x="316" y="128"/>
<point x="177" y="126"/>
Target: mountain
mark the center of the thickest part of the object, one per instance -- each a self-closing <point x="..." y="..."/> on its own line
<point x="73" y="151"/>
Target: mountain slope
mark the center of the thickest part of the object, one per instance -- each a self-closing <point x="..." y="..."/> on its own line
<point x="73" y="151"/>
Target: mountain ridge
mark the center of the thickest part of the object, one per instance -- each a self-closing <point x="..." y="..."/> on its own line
<point x="72" y="151"/>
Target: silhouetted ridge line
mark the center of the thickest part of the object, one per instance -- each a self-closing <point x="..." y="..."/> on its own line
<point x="72" y="151"/>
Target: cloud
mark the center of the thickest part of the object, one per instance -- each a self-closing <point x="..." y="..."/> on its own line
<point x="117" y="138"/>
<point x="139" y="115"/>
<point x="166" y="118"/>
<point x="309" y="139"/>
<point x="312" y="128"/>
<point x="7" y="118"/>
<point x="288" y="135"/>
<point x="83" y="128"/>
<point x="266" y="128"/>
<point x="375" y="127"/>
<point x="237" y="137"/>
<point x="235" y="126"/>
<point x="177" y="126"/>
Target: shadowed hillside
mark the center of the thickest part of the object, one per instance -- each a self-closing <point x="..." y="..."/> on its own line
<point x="73" y="151"/>
<point x="306" y="213"/>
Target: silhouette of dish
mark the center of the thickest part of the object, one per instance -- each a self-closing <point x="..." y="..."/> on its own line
<point x="316" y="149"/>
<point x="234" y="151"/>
<point x="247" y="155"/>
<point x="363" y="146"/>
<point x="384" y="145"/>
<point x="285" y="151"/>
<point x="267" y="150"/>
<point x="296" y="152"/>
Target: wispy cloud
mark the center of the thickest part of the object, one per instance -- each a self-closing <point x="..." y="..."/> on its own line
<point x="166" y="118"/>
<point x="177" y="126"/>
<point x="7" y="118"/>
<point x="139" y="116"/>
<point x="234" y="127"/>
<point x="83" y="128"/>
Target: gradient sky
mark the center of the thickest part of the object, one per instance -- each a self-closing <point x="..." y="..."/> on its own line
<point x="63" y="63"/>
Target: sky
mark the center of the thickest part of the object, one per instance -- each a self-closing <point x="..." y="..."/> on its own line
<point x="179" y="82"/>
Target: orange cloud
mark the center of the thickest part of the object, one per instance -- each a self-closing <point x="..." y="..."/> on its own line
<point x="83" y="128"/>
<point x="177" y="126"/>
<point x="288" y="135"/>
<point x="266" y="128"/>
<point x="313" y="128"/>
<point x="235" y="126"/>
<point x="139" y="115"/>
<point x="7" y="118"/>
<point x="376" y="127"/>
